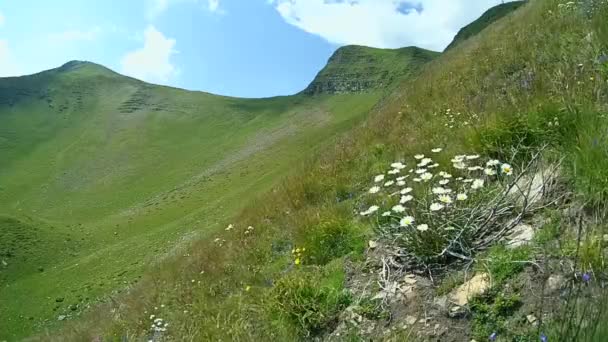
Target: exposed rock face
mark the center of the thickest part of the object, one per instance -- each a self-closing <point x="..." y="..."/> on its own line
<point x="356" y="69"/>
<point x="474" y="287"/>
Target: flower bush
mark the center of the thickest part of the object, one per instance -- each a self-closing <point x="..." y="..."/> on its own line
<point x="440" y="210"/>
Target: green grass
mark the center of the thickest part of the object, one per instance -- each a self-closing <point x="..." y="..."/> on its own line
<point x="486" y="19"/>
<point x="515" y="73"/>
<point x="103" y="175"/>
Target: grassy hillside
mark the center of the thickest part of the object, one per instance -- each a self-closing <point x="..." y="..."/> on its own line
<point x="102" y="175"/>
<point x="363" y="69"/>
<point x="306" y="268"/>
<point x="486" y="19"/>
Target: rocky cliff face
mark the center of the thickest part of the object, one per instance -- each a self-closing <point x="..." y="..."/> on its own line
<point x="353" y="69"/>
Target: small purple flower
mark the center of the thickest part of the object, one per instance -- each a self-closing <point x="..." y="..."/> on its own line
<point x="493" y="336"/>
<point x="586" y="277"/>
<point x="543" y="337"/>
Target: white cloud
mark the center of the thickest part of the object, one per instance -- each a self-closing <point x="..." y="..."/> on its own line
<point x="429" y="24"/>
<point x="8" y="65"/>
<point x="156" y="8"/>
<point x="75" y="35"/>
<point x="152" y="62"/>
<point x="214" y="5"/>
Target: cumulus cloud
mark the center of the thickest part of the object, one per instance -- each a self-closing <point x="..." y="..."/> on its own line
<point x="8" y="65"/>
<point x="152" y="62"/>
<point x="76" y="35"/>
<point x="429" y="24"/>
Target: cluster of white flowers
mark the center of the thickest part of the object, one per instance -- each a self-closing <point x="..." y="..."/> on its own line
<point x="457" y="120"/>
<point x="158" y="324"/>
<point x="433" y="192"/>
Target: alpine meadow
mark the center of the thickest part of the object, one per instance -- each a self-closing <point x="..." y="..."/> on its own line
<point x="403" y="195"/>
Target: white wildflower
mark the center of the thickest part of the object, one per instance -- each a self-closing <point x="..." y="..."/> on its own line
<point x="374" y="190"/>
<point x="438" y="191"/>
<point x="406" y="198"/>
<point x="398" y="208"/>
<point x="421" y="171"/>
<point x="477" y="184"/>
<point x="398" y="165"/>
<point x="386" y="213"/>
<point x="417" y="180"/>
<point x="506" y="169"/>
<point x="445" y="199"/>
<point x="472" y="157"/>
<point x="462" y="197"/>
<point x="489" y="172"/>
<point x="379" y="178"/>
<point x="475" y="168"/>
<point x="401" y="178"/>
<point x="370" y="211"/>
<point x="492" y="162"/>
<point x="229" y="228"/>
<point x="406" y="221"/>
<point x="406" y="191"/>
<point x="389" y="183"/>
<point x="426" y="176"/>
<point x="419" y="156"/>
<point x="436" y="150"/>
<point x="436" y="206"/>
<point x="401" y="183"/>
<point x="423" y="227"/>
<point x="444" y="181"/>
<point x="460" y="165"/>
<point x="393" y="172"/>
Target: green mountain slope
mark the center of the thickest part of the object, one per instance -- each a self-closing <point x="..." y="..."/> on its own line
<point x="314" y="269"/>
<point x="490" y="16"/>
<point x="102" y="175"/>
<point x="362" y="69"/>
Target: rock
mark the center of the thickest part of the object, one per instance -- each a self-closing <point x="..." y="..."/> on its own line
<point x="555" y="282"/>
<point x="531" y="319"/>
<point x="521" y="235"/>
<point x="441" y="302"/>
<point x="61" y="317"/>
<point x="372" y="244"/>
<point x="474" y="287"/>
<point x="410" y="320"/>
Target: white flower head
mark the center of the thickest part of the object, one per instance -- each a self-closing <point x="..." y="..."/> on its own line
<point x="401" y="183"/>
<point x="433" y="166"/>
<point x="401" y="178"/>
<point x="417" y="180"/>
<point x="421" y="171"/>
<point x="436" y="150"/>
<point x="406" y="221"/>
<point x="389" y="183"/>
<point x="445" y="199"/>
<point x="379" y="178"/>
<point x="398" y="208"/>
<point x="506" y="169"/>
<point x="393" y="172"/>
<point x="460" y="165"/>
<point x="477" y="184"/>
<point x="462" y="197"/>
<point x="398" y="165"/>
<point x="406" y="198"/>
<point x="438" y="190"/>
<point x="374" y="190"/>
<point x="475" y="168"/>
<point x="370" y="211"/>
<point x="426" y="176"/>
<point x="406" y="191"/>
<point x="425" y="161"/>
<point x="422" y="227"/>
<point x="419" y="156"/>
<point x="386" y="213"/>
<point x="444" y="181"/>
<point x="493" y="162"/>
<point x="436" y="206"/>
<point x="472" y="157"/>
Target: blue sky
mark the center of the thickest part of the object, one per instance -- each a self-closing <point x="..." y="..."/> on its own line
<point x="247" y="48"/>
